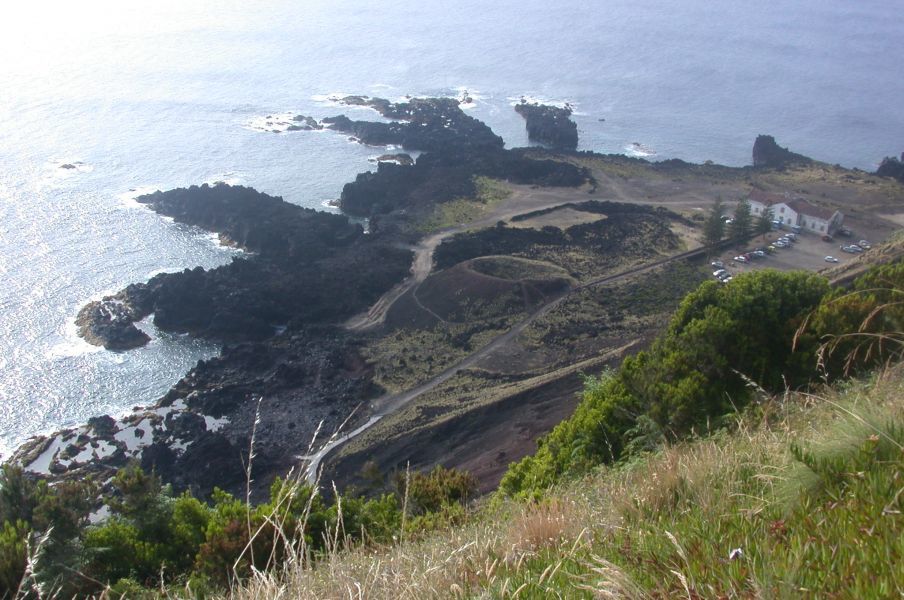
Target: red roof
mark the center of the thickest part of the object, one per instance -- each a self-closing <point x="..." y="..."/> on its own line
<point x="799" y="205"/>
<point x="802" y="207"/>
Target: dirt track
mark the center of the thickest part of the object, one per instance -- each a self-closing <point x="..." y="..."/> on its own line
<point x="522" y="200"/>
<point x="390" y="403"/>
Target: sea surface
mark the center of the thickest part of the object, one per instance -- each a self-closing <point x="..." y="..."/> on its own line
<point x="154" y="94"/>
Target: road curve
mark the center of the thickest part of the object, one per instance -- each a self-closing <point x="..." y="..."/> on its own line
<point x="390" y="403"/>
<point x="521" y="201"/>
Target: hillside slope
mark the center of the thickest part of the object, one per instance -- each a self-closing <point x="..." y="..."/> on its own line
<point x="802" y="498"/>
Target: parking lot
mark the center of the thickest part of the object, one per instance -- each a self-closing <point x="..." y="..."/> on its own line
<point x="808" y="253"/>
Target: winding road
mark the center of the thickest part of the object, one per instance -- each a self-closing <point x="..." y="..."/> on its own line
<point x="420" y="269"/>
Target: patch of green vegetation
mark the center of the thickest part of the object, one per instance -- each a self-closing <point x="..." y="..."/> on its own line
<point x="768" y="511"/>
<point x="155" y="539"/>
<point x="465" y="210"/>
<point x="800" y="498"/>
<point x="723" y="342"/>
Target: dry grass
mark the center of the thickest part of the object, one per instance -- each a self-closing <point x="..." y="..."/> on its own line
<point x="662" y="526"/>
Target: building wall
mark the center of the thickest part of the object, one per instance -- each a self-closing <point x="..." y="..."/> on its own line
<point x="788" y="216"/>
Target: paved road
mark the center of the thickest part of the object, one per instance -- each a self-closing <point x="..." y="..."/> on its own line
<point x="390" y="403"/>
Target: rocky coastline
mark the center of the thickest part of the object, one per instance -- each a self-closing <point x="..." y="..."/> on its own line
<point x="288" y="373"/>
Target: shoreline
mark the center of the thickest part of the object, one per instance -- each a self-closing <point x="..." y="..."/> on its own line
<point x="393" y="201"/>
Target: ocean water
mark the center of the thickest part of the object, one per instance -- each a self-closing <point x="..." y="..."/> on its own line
<point x="147" y="95"/>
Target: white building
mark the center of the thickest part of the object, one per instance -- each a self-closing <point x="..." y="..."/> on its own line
<point x="795" y="212"/>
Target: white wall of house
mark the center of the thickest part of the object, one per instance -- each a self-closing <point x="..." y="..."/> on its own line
<point x="788" y="216"/>
<point x="814" y="224"/>
<point x="780" y="212"/>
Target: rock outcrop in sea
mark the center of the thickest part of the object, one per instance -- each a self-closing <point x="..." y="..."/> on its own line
<point x="456" y="146"/>
<point x="767" y="154"/>
<point x="549" y="125"/>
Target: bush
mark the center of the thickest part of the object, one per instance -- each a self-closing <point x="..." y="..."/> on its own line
<point x="721" y="340"/>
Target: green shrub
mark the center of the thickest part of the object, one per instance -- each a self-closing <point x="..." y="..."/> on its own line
<point x="722" y="340"/>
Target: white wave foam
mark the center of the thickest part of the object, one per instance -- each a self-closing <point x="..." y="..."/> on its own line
<point x="72" y="345"/>
<point x="128" y="199"/>
<point x="530" y="99"/>
<point x="464" y="92"/>
<point x="330" y="205"/>
<point x="163" y="270"/>
<point x="331" y="99"/>
<point x="65" y="167"/>
<point x="272" y="123"/>
<point x="229" y="178"/>
<point x="638" y="150"/>
<point x="214" y="424"/>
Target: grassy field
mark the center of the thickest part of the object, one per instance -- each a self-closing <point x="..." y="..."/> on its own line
<point x="465" y="210"/>
<point x="803" y="497"/>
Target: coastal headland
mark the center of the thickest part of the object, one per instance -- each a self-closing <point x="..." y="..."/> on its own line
<point x="455" y="331"/>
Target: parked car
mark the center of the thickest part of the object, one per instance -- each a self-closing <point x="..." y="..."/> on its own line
<point x="719" y="273"/>
<point x="827" y="238"/>
<point x="781" y="244"/>
<point x="845" y="232"/>
<point x="791" y="236"/>
<point x="771" y="249"/>
<point x="740" y="259"/>
<point x="852" y="249"/>
<point x="726" y="279"/>
<point x="831" y="259"/>
<point x="717" y="264"/>
<point x="864" y="244"/>
<point x="758" y="254"/>
<point x="795" y="228"/>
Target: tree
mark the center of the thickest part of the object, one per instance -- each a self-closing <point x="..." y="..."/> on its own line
<point x="764" y="223"/>
<point x="741" y="226"/>
<point x="714" y="227"/>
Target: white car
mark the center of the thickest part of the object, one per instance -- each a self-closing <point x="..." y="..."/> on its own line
<point x="740" y="259"/>
<point x="864" y="244"/>
<point x="831" y="259"/>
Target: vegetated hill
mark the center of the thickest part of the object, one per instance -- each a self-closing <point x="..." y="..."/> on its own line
<point x="701" y="494"/>
<point x="482" y="289"/>
<point x="765" y="330"/>
<point x="799" y="497"/>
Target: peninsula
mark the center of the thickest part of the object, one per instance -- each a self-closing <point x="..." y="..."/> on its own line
<point x="455" y="331"/>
